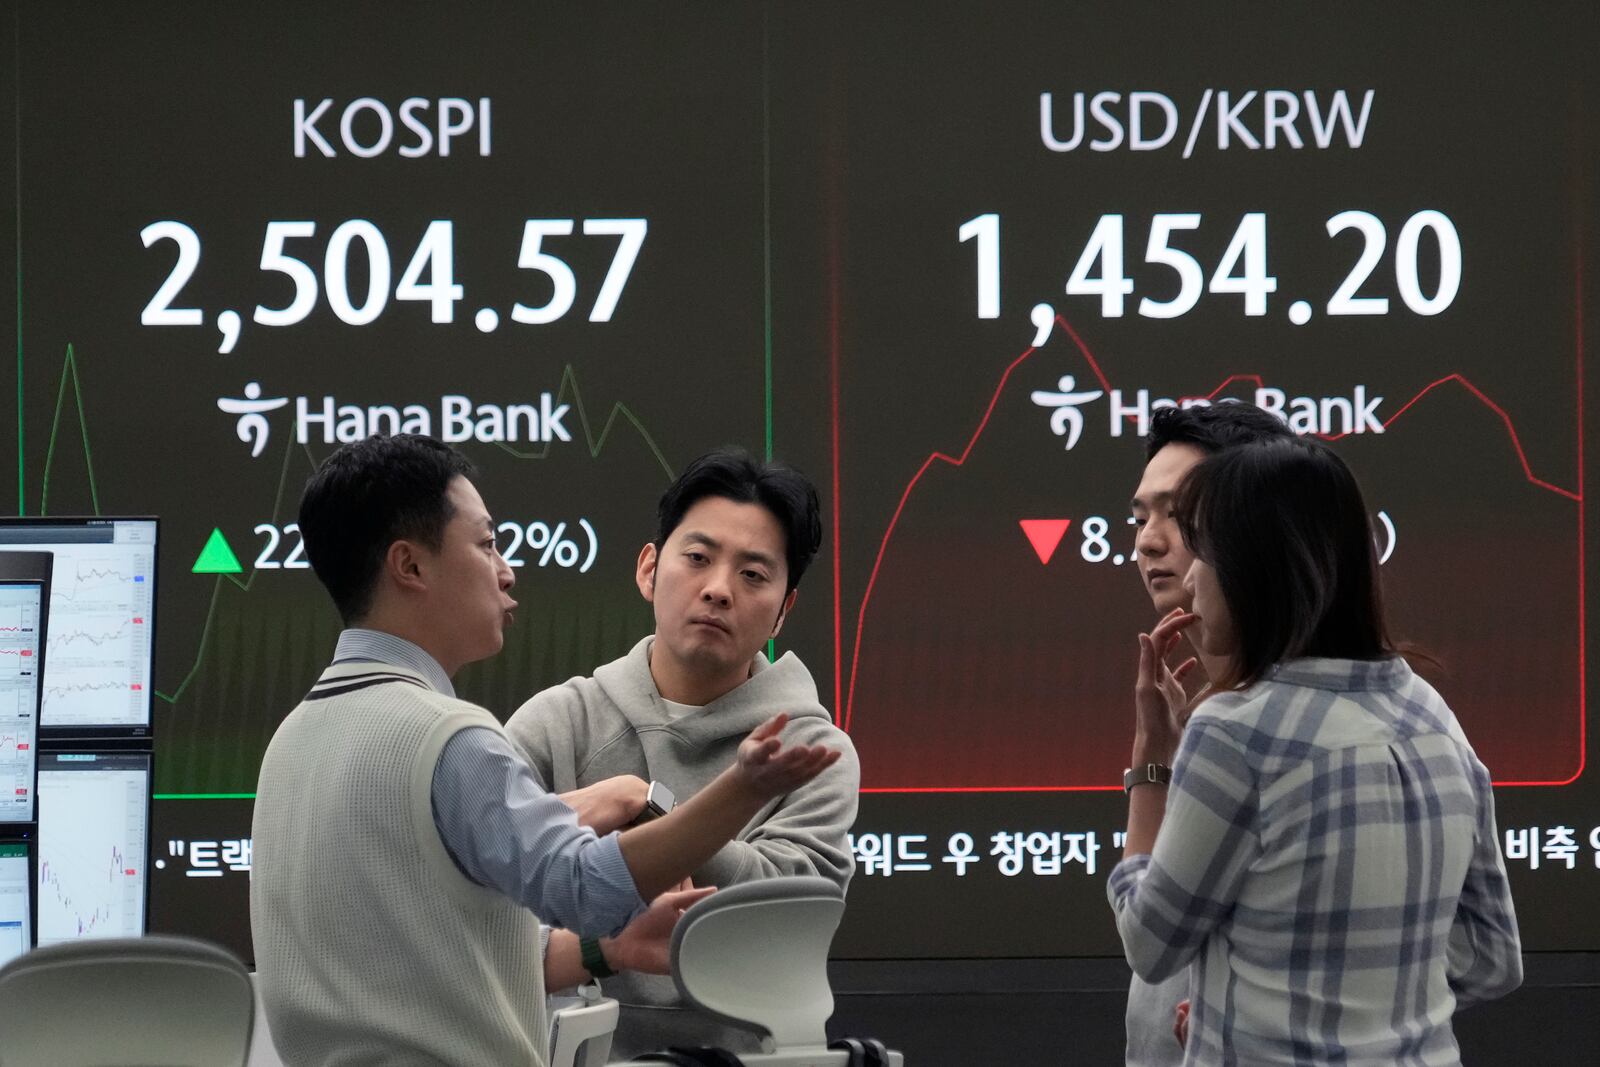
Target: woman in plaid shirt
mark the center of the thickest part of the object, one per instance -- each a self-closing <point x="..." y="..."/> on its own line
<point x="1324" y="858"/>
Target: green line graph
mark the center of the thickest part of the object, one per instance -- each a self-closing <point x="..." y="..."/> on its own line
<point x="569" y="385"/>
<point x="68" y="366"/>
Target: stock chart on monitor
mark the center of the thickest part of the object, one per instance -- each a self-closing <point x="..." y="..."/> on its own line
<point x="21" y="605"/>
<point x="16" y="917"/>
<point x="947" y="259"/>
<point x="94" y="810"/>
<point x="102" y="598"/>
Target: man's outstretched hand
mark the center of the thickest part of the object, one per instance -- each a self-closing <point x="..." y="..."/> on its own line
<point x="772" y="769"/>
<point x="645" y="944"/>
<point x="662" y="852"/>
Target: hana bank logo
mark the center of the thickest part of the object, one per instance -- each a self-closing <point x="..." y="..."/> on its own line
<point x="252" y="428"/>
<point x="1325" y="416"/>
<point x="457" y="418"/>
<point x="1066" y="421"/>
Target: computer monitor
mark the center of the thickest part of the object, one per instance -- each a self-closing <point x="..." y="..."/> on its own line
<point x="97" y="680"/>
<point x="94" y="830"/>
<point x="24" y="599"/>
<point x="16" y="917"/>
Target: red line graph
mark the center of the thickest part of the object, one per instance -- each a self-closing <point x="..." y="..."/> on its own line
<point x="1105" y="383"/>
<point x="1511" y="430"/>
<point x="1465" y="383"/>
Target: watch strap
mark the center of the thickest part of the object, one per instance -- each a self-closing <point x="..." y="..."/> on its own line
<point x="1146" y="774"/>
<point x="594" y="960"/>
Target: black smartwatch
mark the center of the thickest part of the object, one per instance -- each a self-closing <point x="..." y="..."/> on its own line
<point x="657" y="802"/>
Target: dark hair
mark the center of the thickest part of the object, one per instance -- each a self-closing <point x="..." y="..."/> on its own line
<point x="364" y="498"/>
<point x="732" y="473"/>
<point x="1283" y="523"/>
<point x="1212" y="427"/>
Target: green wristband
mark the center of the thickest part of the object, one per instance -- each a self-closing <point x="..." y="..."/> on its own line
<point x="594" y="961"/>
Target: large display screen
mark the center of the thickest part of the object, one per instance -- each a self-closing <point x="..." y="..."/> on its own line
<point x="947" y="259"/>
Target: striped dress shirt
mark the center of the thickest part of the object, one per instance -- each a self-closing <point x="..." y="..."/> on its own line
<point x="1329" y="870"/>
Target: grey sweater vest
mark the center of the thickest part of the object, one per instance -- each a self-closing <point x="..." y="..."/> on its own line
<point x="371" y="946"/>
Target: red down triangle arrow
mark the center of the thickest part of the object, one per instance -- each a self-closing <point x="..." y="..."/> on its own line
<point x="1044" y="535"/>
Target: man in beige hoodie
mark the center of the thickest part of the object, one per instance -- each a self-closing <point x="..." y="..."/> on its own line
<point x="733" y="539"/>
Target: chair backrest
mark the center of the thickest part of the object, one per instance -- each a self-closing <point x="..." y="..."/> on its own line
<point x="756" y="956"/>
<point x="121" y="1002"/>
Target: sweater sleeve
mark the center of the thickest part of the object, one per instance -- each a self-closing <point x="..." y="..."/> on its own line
<point x="806" y="834"/>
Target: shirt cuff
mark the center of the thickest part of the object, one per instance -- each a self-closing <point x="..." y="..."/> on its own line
<point x="1125" y="876"/>
<point x="614" y="873"/>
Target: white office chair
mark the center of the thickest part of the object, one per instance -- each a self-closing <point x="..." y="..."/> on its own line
<point x="756" y="957"/>
<point x="125" y="1002"/>
<point x="581" y="1028"/>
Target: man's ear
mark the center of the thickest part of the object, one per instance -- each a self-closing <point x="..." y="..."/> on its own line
<point x="403" y="566"/>
<point x="644" y="573"/>
<point x="783" y="612"/>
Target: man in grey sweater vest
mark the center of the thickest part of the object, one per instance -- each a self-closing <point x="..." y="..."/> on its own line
<point x="404" y="853"/>
<point x="733" y="538"/>
<point x="1179" y="439"/>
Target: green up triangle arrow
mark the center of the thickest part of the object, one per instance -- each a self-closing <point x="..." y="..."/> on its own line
<point x="217" y="557"/>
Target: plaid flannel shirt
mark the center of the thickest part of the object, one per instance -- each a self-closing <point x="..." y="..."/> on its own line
<point x="1328" y="866"/>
